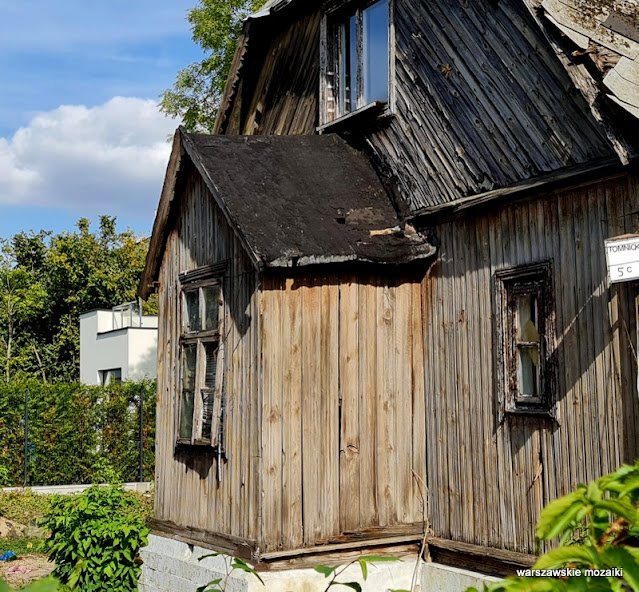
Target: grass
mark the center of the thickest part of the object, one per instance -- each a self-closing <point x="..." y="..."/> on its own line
<point x="23" y="508"/>
<point x="22" y="546"/>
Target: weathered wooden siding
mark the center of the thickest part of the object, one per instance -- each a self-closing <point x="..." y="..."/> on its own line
<point x="187" y="488"/>
<point x="343" y="408"/>
<point x="489" y="481"/>
<point x="278" y="89"/>
<point x="481" y="100"/>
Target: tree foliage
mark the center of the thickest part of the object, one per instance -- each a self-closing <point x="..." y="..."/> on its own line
<point x="47" y="281"/>
<point x="198" y="88"/>
<point x="598" y="526"/>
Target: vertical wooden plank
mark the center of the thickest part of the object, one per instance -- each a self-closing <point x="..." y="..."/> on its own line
<point x="387" y="403"/>
<point x="329" y="384"/>
<point x="272" y="415"/>
<point x="420" y="436"/>
<point x="349" y="395"/>
<point x="406" y="494"/>
<point x="368" y="397"/>
<point x="312" y="478"/>
<point x="290" y="360"/>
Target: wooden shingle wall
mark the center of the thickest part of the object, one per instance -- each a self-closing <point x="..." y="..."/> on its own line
<point x="343" y="406"/>
<point x="489" y="481"/>
<point x="188" y="491"/>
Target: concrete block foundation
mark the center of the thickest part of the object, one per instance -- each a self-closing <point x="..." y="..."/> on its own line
<point x="173" y="566"/>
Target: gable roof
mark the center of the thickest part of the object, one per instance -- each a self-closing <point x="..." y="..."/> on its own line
<point x="292" y="200"/>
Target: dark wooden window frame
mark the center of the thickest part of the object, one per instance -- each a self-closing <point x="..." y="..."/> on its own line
<point x="205" y="342"/>
<point x="535" y="280"/>
<point x="332" y="113"/>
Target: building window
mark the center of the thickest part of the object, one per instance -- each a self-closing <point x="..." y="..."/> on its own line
<point x="110" y="376"/>
<point x="525" y="327"/>
<point x="200" y="403"/>
<point x="357" y="58"/>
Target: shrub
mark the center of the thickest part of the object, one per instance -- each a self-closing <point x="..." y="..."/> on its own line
<point x="598" y="526"/>
<point x="95" y="539"/>
<point x="77" y="433"/>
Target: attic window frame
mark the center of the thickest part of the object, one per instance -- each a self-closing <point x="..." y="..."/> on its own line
<point x="534" y="280"/>
<point x="202" y="340"/>
<point x="332" y="108"/>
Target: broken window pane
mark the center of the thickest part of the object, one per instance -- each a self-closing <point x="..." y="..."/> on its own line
<point x="208" y="397"/>
<point x="528" y="317"/>
<point x="210" y="350"/>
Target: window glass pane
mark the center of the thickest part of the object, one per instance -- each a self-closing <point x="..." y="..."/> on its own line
<point x="375" y="39"/>
<point x="188" y="367"/>
<point x="211" y="296"/>
<point x="528" y="371"/>
<point x="528" y="317"/>
<point x="192" y="312"/>
<point x="186" y="415"/>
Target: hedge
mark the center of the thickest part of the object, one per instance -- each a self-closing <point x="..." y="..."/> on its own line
<point x="77" y="433"/>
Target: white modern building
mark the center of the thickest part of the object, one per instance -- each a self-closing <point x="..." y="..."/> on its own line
<point x="118" y="344"/>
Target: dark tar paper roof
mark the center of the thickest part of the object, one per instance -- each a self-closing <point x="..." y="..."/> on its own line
<point x="301" y="200"/>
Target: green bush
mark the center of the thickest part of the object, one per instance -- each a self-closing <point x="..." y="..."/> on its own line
<point x="598" y="526"/>
<point x="77" y="433"/>
<point x="95" y="539"/>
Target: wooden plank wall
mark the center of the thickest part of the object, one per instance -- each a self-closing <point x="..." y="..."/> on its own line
<point x="489" y="481"/>
<point x="481" y="100"/>
<point x="278" y="89"/>
<point x="187" y="488"/>
<point x="343" y="408"/>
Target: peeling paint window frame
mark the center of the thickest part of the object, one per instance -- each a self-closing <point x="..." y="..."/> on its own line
<point x="512" y="286"/>
<point x="334" y="54"/>
<point x="205" y="423"/>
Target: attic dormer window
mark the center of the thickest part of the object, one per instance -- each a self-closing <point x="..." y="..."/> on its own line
<point x="356" y="59"/>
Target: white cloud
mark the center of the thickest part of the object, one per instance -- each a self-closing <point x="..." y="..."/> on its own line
<point x="108" y="159"/>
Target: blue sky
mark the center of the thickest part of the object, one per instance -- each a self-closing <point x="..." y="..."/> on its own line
<point x="80" y="132"/>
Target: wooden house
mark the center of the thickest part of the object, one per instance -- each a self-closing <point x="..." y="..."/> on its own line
<point x="384" y="306"/>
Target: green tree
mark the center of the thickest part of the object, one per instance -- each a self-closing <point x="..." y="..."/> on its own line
<point x="47" y="281"/>
<point x="198" y="88"/>
<point x="22" y="299"/>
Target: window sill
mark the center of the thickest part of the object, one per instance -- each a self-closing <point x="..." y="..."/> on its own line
<point x="367" y="114"/>
<point x="183" y="447"/>
<point x="531" y="412"/>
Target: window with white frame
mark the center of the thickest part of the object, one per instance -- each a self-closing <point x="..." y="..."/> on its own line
<point x="525" y="326"/>
<point x="356" y="60"/>
<point x="201" y="353"/>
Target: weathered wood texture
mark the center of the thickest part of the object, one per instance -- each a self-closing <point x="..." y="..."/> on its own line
<point x="488" y="481"/>
<point x="278" y="87"/>
<point x="188" y="491"/>
<point x="343" y="406"/>
<point x="481" y="99"/>
<point x="482" y="102"/>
